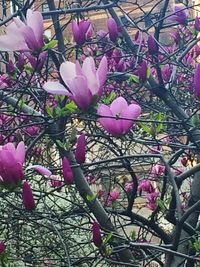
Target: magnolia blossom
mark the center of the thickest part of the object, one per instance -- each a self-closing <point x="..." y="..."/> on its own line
<point x="120" y="116"/>
<point x="82" y="31"/>
<point x="196" y="81"/>
<point x="152" y="200"/>
<point x="197" y="24"/>
<point x="157" y="170"/>
<point x="152" y="45"/>
<point x="2" y="247"/>
<point x="27" y="196"/>
<point x="97" y="239"/>
<point x="83" y="83"/>
<point x="112" y="29"/>
<point x="67" y="171"/>
<point x="11" y="163"/>
<point x="24" y="37"/>
<point x="180" y="14"/>
<point x="80" y="149"/>
<point x="146" y="186"/>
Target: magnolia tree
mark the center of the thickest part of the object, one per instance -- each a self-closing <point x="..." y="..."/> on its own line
<point x="100" y="138"/>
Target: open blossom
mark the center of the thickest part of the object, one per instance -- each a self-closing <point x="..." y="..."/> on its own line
<point x="11" y="163"/>
<point x="113" y="196"/>
<point x="152" y="200"/>
<point x="27" y="196"/>
<point x="157" y="170"/>
<point x="146" y="186"/>
<point x="180" y="14"/>
<point x="24" y="37"/>
<point x="83" y="82"/>
<point x="120" y="116"/>
<point x="82" y="31"/>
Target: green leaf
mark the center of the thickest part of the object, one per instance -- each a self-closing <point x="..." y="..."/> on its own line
<point x="21" y="103"/>
<point x="49" y="111"/>
<point x="134" y="79"/>
<point x="108" y="238"/>
<point x="145" y="128"/>
<point x="52" y="44"/>
<point x="109" y="99"/>
<point x="72" y="107"/>
<point x="133" y="235"/>
<point x="92" y="197"/>
<point x="161" y="204"/>
<point x="148" y="72"/>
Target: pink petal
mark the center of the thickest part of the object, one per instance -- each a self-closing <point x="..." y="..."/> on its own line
<point x="12" y="43"/>
<point x="40" y="169"/>
<point x="131" y="112"/>
<point x="118" y="105"/>
<point x="75" y="31"/>
<point x="35" y="21"/>
<point x="67" y="71"/>
<point x="102" y="71"/>
<point x="20" y="152"/>
<point x="55" y="88"/>
<point x="30" y="39"/>
<point x="109" y="124"/>
<point x="80" y="91"/>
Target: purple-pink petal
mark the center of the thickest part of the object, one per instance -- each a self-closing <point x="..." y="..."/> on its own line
<point x="55" y="88"/>
<point x="40" y="169"/>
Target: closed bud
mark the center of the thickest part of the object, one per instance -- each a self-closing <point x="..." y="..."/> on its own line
<point x="97" y="239"/>
<point x="112" y="29"/>
<point x="197" y="24"/>
<point x="142" y="71"/>
<point x="81" y="149"/>
<point x="27" y="196"/>
<point x="152" y="45"/>
<point x="2" y="247"/>
<point x="67" y="171"/>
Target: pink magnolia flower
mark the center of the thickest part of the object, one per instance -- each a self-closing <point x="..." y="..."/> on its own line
<point x="4" y="81"/>
<point x="112" y="29"/>
<point x="97" y="239"/>
<point x="129" y="187"/>
<point x="152" y="198"/>
<point x="82" y="31"/>
<point x="83" y="83"/>
<point x="37" y="63"/>
<point x="152" y="45"/>
<point x="157" y="171"/>
<point x="2" y="247"/>
<point x="120" y="116"/>
<point x="55" y="181"/>
<point x="67" y="171"/>
<point x="11" y="163"/>
<point x="80" y="149"/>
<point x="146" y="186"/>
<point x="142" y="71"/>
<point x="24" y="37"/>
<point x="197" y="24"/>
<point x="180" y="14"/>
<point x="27" y="196"/>
<point x="196" y="81"/>
<point x="113" y="196"/>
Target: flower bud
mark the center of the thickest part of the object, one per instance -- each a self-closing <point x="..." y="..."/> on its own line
<point x="67" y="171"/>
<point x="81" y="149"/>
<point x="97" y="239"/>
<point x="27" y="196"/>
<point x="197" y="24"/>
<point x="2" y="247"/>
<point x="112" y="29"/>
<point x="152" y="45"/>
